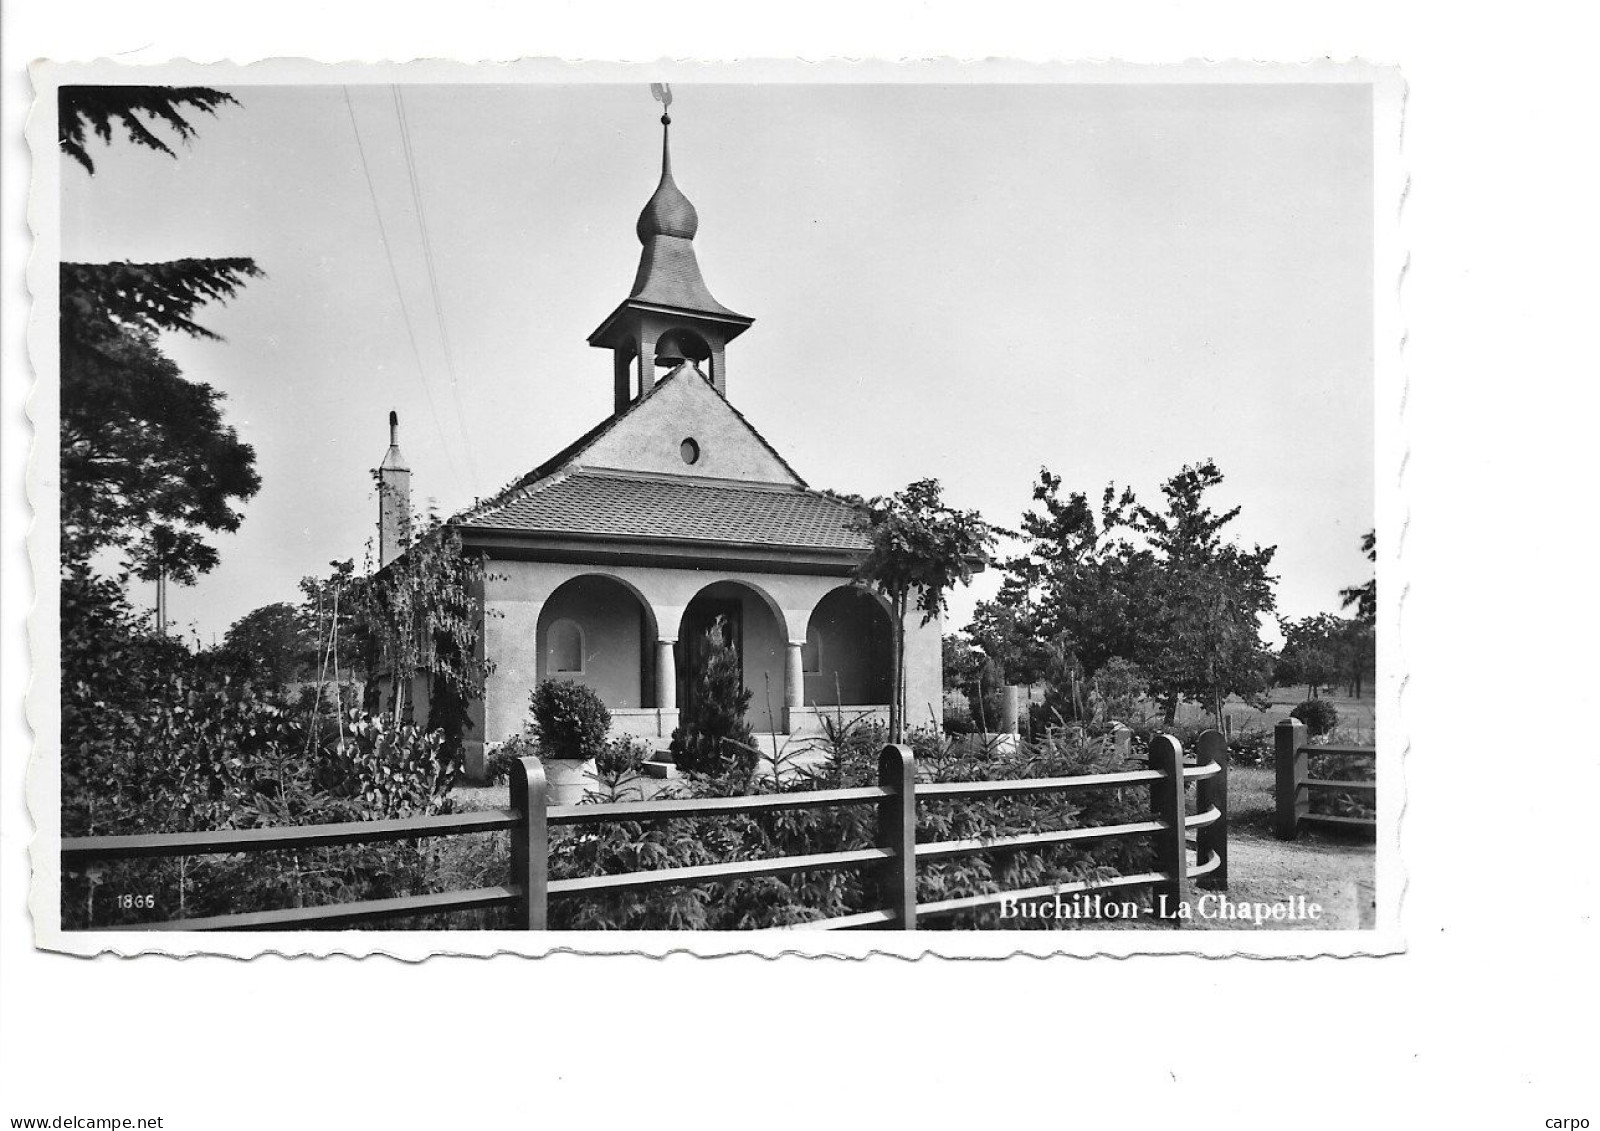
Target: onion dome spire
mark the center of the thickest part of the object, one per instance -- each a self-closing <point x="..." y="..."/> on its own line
<point x="668" y="212"/>
<point x="669" y="317"/>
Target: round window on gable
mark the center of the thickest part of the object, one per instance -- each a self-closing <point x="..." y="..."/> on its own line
<point x="689" y="450"/>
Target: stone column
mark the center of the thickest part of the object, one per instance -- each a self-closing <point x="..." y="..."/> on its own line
<point x="666" y="676"/>
<point x="794" y="684"/>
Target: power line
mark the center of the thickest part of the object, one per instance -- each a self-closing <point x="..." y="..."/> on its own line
<point x="394" y="274"/>
<point x="433" y="274"/>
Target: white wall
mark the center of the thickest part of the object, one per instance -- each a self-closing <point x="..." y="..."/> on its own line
<point x="683" y="407"/>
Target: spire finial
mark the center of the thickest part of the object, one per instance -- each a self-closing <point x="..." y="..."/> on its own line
<point x="662" y="93"/>
<point x="394" y="428"/>
<point x="669" y="212"/>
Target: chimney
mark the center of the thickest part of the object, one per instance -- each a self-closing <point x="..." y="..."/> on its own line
<point x="394" y="499"/>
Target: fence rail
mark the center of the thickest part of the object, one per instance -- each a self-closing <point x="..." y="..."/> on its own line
<point x="1295" y="784"/>
<point x="894" y="858"/>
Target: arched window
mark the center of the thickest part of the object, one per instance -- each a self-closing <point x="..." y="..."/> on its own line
<point x="566" y="646"/>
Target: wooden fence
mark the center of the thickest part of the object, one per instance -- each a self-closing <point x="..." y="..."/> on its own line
<point x="1295" y="783"/>
<point x="895" y="855"/>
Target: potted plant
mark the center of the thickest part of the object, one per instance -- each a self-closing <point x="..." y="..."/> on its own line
<point x="571" y="723"/>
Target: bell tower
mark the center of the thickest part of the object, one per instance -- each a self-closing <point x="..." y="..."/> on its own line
<point x="670" y="316"/>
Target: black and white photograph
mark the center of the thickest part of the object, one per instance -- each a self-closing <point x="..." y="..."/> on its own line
<point x="965" y="520"/>
<point x="907" y="564"/>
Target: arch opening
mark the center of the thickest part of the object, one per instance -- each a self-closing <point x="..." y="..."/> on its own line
<point x="849" y="631"/>
<point x="596" y="631"/>
<point x="748" y="621"/>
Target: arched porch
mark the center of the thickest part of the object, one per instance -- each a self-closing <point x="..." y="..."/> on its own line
<point x="846" y="658"/>
<point x="598" y="631"/>
<point x="751" y="622"/>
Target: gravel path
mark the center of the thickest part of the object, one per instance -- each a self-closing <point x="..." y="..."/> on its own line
<point x="1336" y="874"/>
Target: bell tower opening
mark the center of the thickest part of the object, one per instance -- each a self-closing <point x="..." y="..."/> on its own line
<point x="679" y="345"/>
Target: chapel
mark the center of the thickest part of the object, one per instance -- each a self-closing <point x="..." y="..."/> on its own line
<point x="613" y="559"/>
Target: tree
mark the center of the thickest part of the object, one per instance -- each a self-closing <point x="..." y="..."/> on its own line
<point x="919" y="549"/>
<point x="1080" y="595"/>
<point x="1358" y="654"/>
<point x="714" y="736"/>
<point x="269" y="644"/>
<point x="1323" y="650"/>
<point x="82" y="110"/>
<point x="1365" y="596"/>
<point x="1309" y="654"/>
<point x="1215" y="593"/>
<point x="1164" y="590"/>
<point x="977" y="677"/>
<point x="145" y="455"/>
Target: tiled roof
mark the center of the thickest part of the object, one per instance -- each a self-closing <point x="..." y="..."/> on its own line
<point x="599" y="502"/>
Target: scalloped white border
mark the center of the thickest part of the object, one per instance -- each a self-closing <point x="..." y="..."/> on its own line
<point x="1392" y="517"/>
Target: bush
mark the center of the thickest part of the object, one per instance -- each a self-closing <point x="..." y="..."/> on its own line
<point x="569" y="719"/>
<point x="1251" y="748"/>
<point x="958" y="719"/>
<point x="618" y="766"/>
<point x="1117" y="688"/>
<point x="222" y="756"/>
<point x="623" y="846"/>
<point x="714" y="737"/>
<point x="1319" y="715"/>
<point x="500" y="756"/>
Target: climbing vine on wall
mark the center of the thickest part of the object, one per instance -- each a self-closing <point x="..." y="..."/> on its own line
<point x="419" y="619"/>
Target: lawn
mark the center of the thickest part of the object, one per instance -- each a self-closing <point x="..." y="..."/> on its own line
<point x="1358" y="718"/>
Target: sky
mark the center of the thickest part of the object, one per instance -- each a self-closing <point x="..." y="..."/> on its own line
<point x="963" y="282"/>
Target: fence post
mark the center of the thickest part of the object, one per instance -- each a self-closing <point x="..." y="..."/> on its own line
<point x="1289" y="738"/>
<point x="1172" y="848"/>
<point x="530" y="844"/>
<point x="897" y="831"/>
<point x="1212" y="749"/>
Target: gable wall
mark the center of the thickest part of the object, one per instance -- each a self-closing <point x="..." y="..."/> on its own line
<point x="650" y="438"/>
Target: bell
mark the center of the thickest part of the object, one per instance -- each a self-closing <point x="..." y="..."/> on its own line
<point x="669" y="351"/>
<point x="678" y="346"/>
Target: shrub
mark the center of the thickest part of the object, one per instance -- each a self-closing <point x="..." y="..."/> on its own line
<point x="1339" y="768"/>
<point x="222" y="756"/>
<point x="1117" y="688"/>
<point x="569" y="719"/>
<point x="500" y="756"/>
<point x="623" y="846"/>
<point x="958" y="719"/>
<point x="154" y="739"/>
<point x="617" y="766"/>
<point x="1319" y="715"/>
<point x="1251" y="748"/>
<point x="714" y="737"/>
